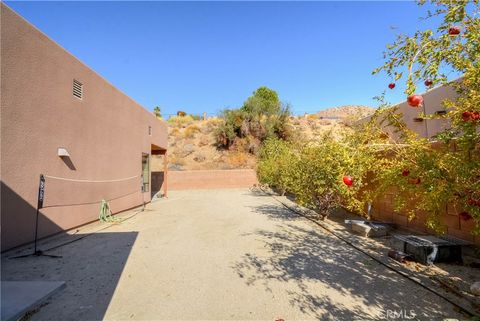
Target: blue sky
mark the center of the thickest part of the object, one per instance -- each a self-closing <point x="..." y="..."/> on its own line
<point x="206" y="56"/>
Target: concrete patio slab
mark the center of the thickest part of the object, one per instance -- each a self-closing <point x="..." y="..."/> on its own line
<point x="19" y="297"/>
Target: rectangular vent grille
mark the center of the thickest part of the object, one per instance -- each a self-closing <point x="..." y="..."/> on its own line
<point x="77" y="89"/>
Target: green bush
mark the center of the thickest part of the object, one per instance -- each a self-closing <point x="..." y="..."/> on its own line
<point x="314" y="172"/>
<point x="274" y="168"/>
<point x="311" y="172"/>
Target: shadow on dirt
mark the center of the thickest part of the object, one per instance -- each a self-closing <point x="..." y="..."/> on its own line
<point x="304" y="256"/>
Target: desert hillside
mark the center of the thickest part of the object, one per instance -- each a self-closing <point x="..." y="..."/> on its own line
<point x="192" y="142"/>
<point x="350" y="111"/>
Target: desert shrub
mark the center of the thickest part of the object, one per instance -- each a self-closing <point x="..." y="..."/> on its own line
<point x="190" y="131"/>
<point x="213" y="121"/>
<point x="196" y="117"/>
<point x="179" y="121"/>
<point x="181" y="113"/>
<point x="175" y="132"/>
<point x="240" y="145"/>
<point x="237" y="159"/>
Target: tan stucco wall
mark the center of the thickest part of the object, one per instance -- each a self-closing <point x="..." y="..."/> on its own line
<point x="105" y="134"/>
<point x="432" y="103"/>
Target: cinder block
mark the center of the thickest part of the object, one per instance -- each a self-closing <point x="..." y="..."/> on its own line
<point x="368" y="229"/>
<point x="428" y="249"/>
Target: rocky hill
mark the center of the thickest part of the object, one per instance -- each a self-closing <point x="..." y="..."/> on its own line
<point x="349" y="111"/>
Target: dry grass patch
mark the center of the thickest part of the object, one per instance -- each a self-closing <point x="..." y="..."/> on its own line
<point x="180" y="121"/>
<point x="190" y="131"/>
<point x="238" y="159"/>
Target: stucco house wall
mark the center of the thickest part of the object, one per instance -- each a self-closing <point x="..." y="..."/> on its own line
<point x="432" y="104"/>
<point x="105" y="133"/>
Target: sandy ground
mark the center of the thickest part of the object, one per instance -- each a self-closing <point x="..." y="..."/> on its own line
<point x="220" y="255"/>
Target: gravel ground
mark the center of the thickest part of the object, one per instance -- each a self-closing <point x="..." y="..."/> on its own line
<point x="220" y="255"/>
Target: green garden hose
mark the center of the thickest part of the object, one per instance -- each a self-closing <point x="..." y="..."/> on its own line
<point x="106" y="213"/>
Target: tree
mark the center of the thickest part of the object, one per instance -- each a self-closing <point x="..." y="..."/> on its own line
<point x="157" y="112"/>
<point x="447" y="174"/>
<point x="262" y="116"/>
<point x="425" y="175"/>
<point x="264" y="101"/>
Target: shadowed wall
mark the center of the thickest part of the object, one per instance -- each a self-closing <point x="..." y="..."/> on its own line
<point x="105" y="133"/>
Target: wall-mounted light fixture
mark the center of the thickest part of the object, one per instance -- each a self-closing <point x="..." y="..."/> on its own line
<point x="63" y="152"/>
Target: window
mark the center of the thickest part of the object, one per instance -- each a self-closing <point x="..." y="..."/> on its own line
<point x="77" y="89"/>
<point x="150" y="130"/>
<point x="145" y="173"/>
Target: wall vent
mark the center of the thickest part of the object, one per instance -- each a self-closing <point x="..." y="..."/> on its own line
<point x="77" y="89"/>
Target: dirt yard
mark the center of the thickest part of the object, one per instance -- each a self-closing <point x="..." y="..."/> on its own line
<point x="219" y="255"/>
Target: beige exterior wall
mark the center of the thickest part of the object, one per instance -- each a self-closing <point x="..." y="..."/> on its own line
<point x="432" y="103"/>
<point x="105" y="133"/>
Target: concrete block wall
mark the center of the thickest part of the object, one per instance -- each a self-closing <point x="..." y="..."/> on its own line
<point x="383" y="209"/>
<point x="211" y="179"/>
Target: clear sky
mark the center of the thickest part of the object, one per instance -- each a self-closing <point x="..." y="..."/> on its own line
<point x="206" y="56"/>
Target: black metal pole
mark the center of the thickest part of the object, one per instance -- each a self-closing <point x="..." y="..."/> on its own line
<point x="41" y="194"/>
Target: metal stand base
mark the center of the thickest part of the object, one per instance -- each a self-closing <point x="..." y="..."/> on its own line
<point x="37" y="253"/>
